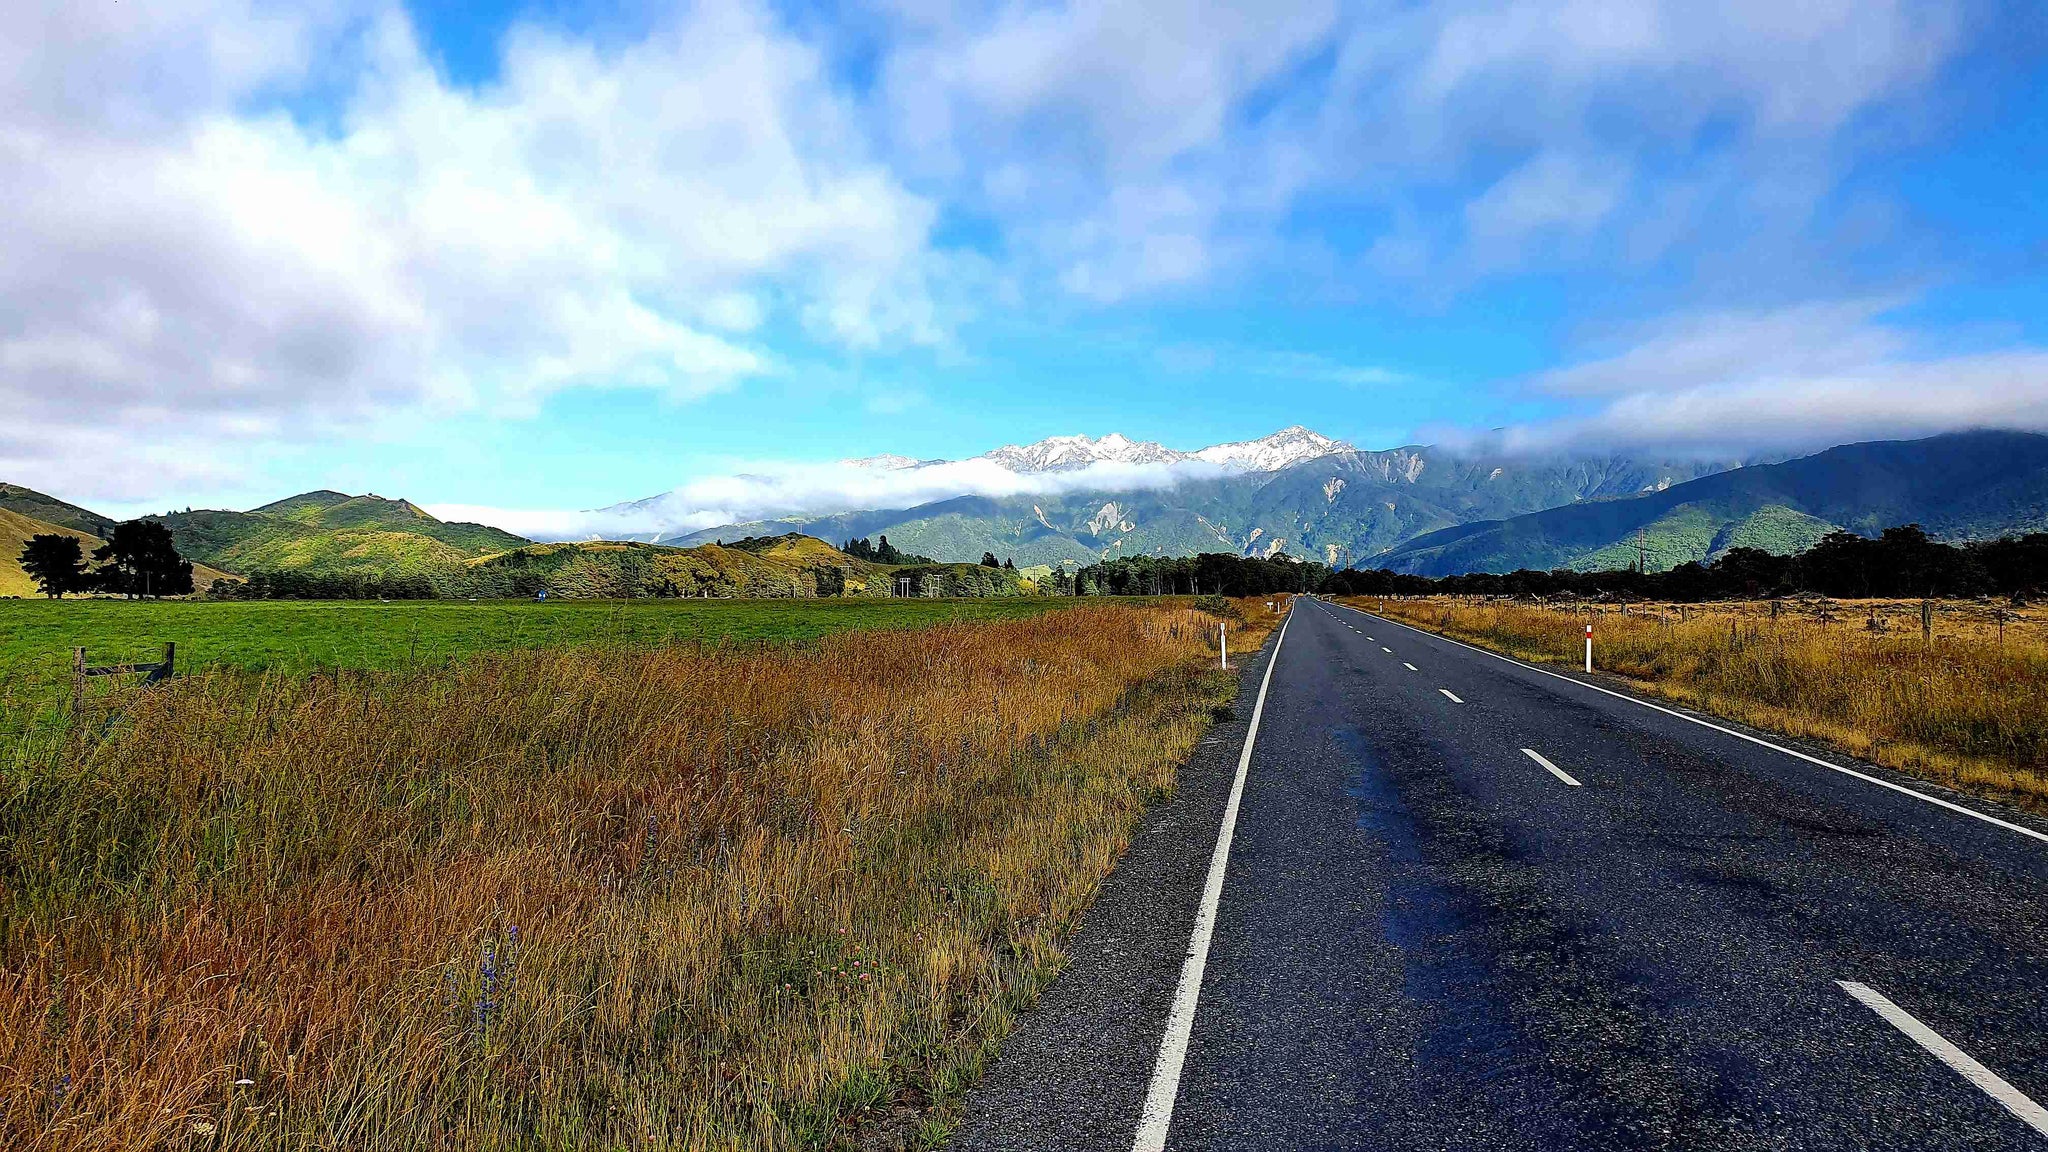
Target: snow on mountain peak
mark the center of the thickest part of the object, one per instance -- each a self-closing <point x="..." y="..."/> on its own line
<point x="1283" y="449"/>
<point x="1069" y="453"/>
<point x="886" y="462"/>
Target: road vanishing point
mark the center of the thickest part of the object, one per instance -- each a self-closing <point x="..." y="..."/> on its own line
<point x="1420" y="896"/>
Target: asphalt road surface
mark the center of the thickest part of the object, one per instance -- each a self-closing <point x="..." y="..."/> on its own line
<point x="1470" y="904"/>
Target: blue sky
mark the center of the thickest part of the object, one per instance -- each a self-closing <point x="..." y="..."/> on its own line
<point x="534" y="256"/>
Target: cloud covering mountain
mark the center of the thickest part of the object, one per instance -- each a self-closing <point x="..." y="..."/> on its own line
<point x="1056" y="465"/>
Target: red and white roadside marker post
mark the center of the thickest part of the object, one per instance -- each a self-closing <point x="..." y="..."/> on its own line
<point x="1589" y="645"/>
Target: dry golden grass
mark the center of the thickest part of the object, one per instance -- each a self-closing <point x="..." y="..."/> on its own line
<point x="672" y="898"/>
<point x="1964" y="710"/>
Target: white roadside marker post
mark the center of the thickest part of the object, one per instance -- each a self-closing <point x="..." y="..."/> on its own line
<point x="1589" y="646"/>
<point x="1223" y="647"/>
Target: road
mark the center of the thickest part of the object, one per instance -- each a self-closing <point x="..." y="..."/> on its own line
<point x="1471" y="904"/>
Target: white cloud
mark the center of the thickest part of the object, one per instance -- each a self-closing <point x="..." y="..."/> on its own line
<point x="1800" y="377"/>
<point x="1130" y="147"/>
<point x="1810" y="339"/>
<point x="182" y="267"/>
<point x="1552" y="194"/>
<point x="236" y="224"/>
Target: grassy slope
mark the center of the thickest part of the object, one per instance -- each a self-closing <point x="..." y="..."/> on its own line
<point x="15" y="529"/>
<point x="1783" y="531"/>
<point x="36" y="637"/>
<point x="617" y="569"/>
<point x="50" y="510"/>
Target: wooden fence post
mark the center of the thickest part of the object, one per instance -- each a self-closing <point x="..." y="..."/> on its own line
<point x="77" y="682"/>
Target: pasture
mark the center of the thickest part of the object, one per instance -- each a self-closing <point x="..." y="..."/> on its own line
<point x="305" y="636"/>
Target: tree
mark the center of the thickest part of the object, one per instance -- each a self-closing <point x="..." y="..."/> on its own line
<point x="988" y="560"/>
<point x="139" y="559"/>
<point x="1008" y="565"/>
<point x="886" y="553"/>
<point x="55" y="562"/>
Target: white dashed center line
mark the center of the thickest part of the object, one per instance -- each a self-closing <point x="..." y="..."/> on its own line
<point x="1388" y="651"/>
<point x="2010" y="1098"/>
<point x="1553" y="769"/>
<point x="1451" y="694"/>
<point x="1409" y="666"/>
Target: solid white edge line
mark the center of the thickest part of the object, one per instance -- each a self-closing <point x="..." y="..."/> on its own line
<point x="1180" y="1020"/>
<point x="1451" y="694"/>
<point x="1792" y="752"/>
<point x="1962" y="1063"/>
<point x="1553" y="769"/>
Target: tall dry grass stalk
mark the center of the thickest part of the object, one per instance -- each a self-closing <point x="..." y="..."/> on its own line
<point x="1964" y="710"/>
<point x="679" y="898"/>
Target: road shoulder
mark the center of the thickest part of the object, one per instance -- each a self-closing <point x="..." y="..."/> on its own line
<point x="1072" y="1077"/>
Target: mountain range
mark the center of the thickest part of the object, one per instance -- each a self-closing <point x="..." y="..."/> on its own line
<point x="1961" y="486"/>
<point x="1296" y="492"/>
<point x="1422" y="509"/>
<point x="1438" y="511"/>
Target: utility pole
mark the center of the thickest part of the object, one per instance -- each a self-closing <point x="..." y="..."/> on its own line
<point x="1642" y="556"/>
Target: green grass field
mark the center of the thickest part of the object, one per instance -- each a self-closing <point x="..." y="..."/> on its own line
<point x="37" y="636"/>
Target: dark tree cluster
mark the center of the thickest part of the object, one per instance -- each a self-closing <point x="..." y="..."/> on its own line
<point x="138" y="559"/>
<point x="1211" y="573"/>
<point x="1902" y="562"/>
<point x="882" y="552"/>
<point x="285" y="585"/>
<point x="988" y="560"/>
<point x="754" y="544"/>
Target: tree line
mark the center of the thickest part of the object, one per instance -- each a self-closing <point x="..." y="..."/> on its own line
<point x="1210" y="573"/>
<point x="1902" y="562"/>
<point x="137" y="559"/>
<point x="289" y="585"/>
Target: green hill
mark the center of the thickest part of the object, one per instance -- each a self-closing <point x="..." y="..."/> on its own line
<point x="305" y="506"/>
<point x="1966" y="485"/>
<point x="332" y="533"/>
<point x="50" y="510"/>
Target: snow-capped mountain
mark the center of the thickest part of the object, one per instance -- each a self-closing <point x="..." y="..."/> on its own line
<point x="1068" y="453"/>
<point x="1283" y="449"/>
<point x="893" y="480"/>
<point x="886" y="462"/>
<point x="1076" y="498"/>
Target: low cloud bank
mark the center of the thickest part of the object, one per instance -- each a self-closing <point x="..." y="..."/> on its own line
<point x="772" y="491"/>
<point x="1774" y="382"/>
